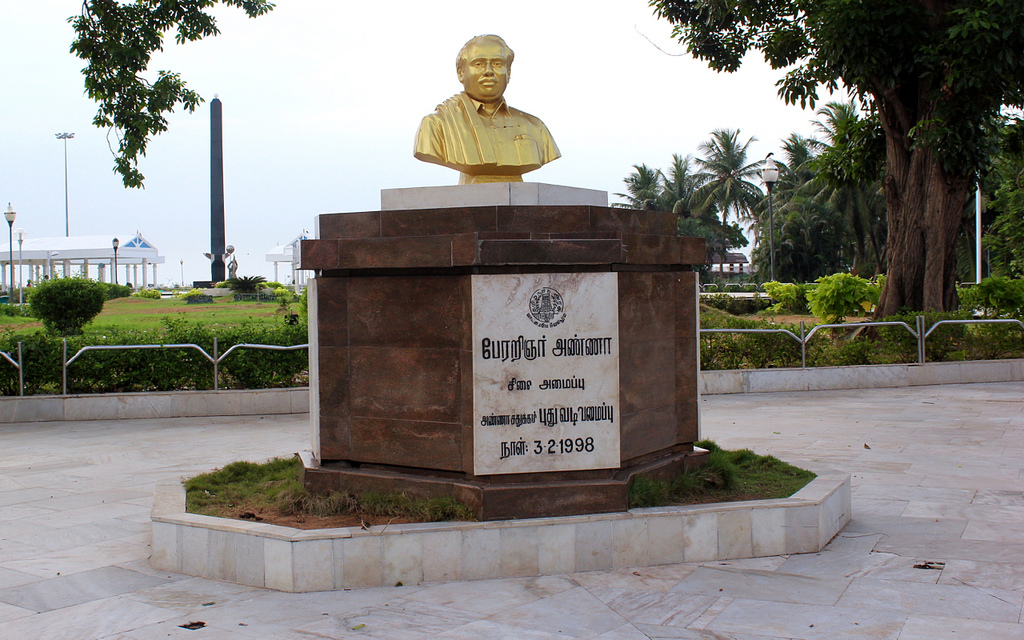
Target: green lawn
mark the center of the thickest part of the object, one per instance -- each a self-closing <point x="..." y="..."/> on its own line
<point x="141" y="313"/>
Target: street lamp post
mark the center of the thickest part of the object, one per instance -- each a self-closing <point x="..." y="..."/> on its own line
<point x="182" y="272"/>
<point x="21" y="238"/>
<point x="9" y="215"/>
<point x="65" y="137"/>
<point x="770" y="175"/>
<point x="115" y="243"/>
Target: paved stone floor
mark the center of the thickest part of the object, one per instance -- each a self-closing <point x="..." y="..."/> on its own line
<point x="935" y="548"/>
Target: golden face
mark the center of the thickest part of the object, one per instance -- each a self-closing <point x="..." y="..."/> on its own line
<point x="485" y="72"/>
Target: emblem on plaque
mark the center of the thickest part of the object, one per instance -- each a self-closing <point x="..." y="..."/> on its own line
<point x="546" y="308"/>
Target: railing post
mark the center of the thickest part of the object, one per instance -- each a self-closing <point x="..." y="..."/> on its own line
<point x="803" y="347"/>
<point x="21" y="372"/>
<point x="216" y="368"/>
<point x="64" y="368"/>
<point x="920" y="340"/>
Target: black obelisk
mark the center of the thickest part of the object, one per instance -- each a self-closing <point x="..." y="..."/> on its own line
<point x="216" y="192"/>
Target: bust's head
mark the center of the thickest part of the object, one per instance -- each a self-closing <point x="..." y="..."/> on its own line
<point x="484" y="65"/>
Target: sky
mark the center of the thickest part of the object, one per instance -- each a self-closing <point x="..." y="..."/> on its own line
<point x="321" y="102"/>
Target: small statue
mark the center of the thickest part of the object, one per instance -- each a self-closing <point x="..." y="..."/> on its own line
<point x="476" y="132"/>
<point x="232" y="268"/>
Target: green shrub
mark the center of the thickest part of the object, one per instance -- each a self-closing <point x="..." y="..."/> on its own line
<point x="15" y="311"/>
<point x="284" y="296"/>
<point x="734" y="305"/>
<point x="191" y="294"/>
<point x="789" y="297"/>
<point x="261" y="368"/>
<point x="304" y="305"/>
<point x="995" y="297"/>
<point x="116" y="290"/>
<point x="135" y="370"/>
<point x="149" y="294"/>
<point x="840" y="295"/>
<point x="746" y="350"/>
<point x="65" y="305"/>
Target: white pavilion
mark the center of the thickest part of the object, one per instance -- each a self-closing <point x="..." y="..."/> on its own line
<point x="86" y="256"/>
<point x="288" y="254"/>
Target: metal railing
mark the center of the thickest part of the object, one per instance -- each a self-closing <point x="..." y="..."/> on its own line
<point x="919" y="333"/>
<point x="724" y="287"/>
<point x="17" y="365"/>
<point x="214" y="359"/>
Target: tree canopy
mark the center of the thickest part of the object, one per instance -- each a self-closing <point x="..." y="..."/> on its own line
<point x="118" y="40"/>
<point x="935" y="74"/>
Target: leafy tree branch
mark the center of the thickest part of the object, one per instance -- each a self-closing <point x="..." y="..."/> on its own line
<point x="118" y="41"/>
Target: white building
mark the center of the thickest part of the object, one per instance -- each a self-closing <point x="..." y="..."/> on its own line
<point x="731" y="263"/>
<point x="86" y="256"/>
<point x="288" y="254"/>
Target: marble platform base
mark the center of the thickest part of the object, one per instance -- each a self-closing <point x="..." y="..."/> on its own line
<point x="495" y="193"/>
<point x="872" y="376"/>
<point x="286" y="559"/>
<point x="158" y="404"/>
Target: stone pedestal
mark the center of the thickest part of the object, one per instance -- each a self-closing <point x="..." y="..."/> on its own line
<point x="403" y="337"/>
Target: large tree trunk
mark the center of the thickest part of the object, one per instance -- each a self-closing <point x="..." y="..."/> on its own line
<point x="924" y="205"/>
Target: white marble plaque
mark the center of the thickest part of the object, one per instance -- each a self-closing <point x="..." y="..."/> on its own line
<point x="545" y="372"/>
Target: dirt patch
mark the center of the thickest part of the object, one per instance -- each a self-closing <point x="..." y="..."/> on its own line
<point x="298" y="521"/>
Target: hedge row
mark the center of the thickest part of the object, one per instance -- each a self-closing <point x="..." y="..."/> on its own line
<point x="159" y="369"/>
<point x="885" y="345"/>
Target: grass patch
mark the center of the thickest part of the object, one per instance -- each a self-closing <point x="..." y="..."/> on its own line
<point x="727" y="476"/>
<point x="274" y="488"/>
<point x="273" y="491"/>
<point x="141" y="313"/>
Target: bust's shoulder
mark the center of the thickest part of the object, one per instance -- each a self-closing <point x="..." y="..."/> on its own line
<point x="527" y="117"/>
<point x="453" y="104"/>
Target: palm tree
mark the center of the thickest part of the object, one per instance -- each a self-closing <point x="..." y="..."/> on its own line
<point x="644" y="187"/>
<point x="679" y="186"/>
<point x="650" y="189"/>
<point x="726" y="178"/>
<point x="862" y="204"/>
<point x="245" y="284"/>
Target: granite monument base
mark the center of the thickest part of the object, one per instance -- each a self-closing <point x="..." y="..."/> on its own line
<point x="505" y="498"/>
<point x="529" y="360"/>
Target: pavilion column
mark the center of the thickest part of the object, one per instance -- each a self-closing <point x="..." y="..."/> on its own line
<point x="145" y="280"/>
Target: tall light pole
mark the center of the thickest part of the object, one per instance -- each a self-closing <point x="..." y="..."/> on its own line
<point x="770" y="175"/>
<point x="65" y="137"/>
<point x="182" y="272"/>
<point x="115" y="243"/>
<point x="10" y="215"/>
<point x="21" y="238"/>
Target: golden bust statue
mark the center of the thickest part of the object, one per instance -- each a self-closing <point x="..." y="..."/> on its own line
<point x="476" y="132"/>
